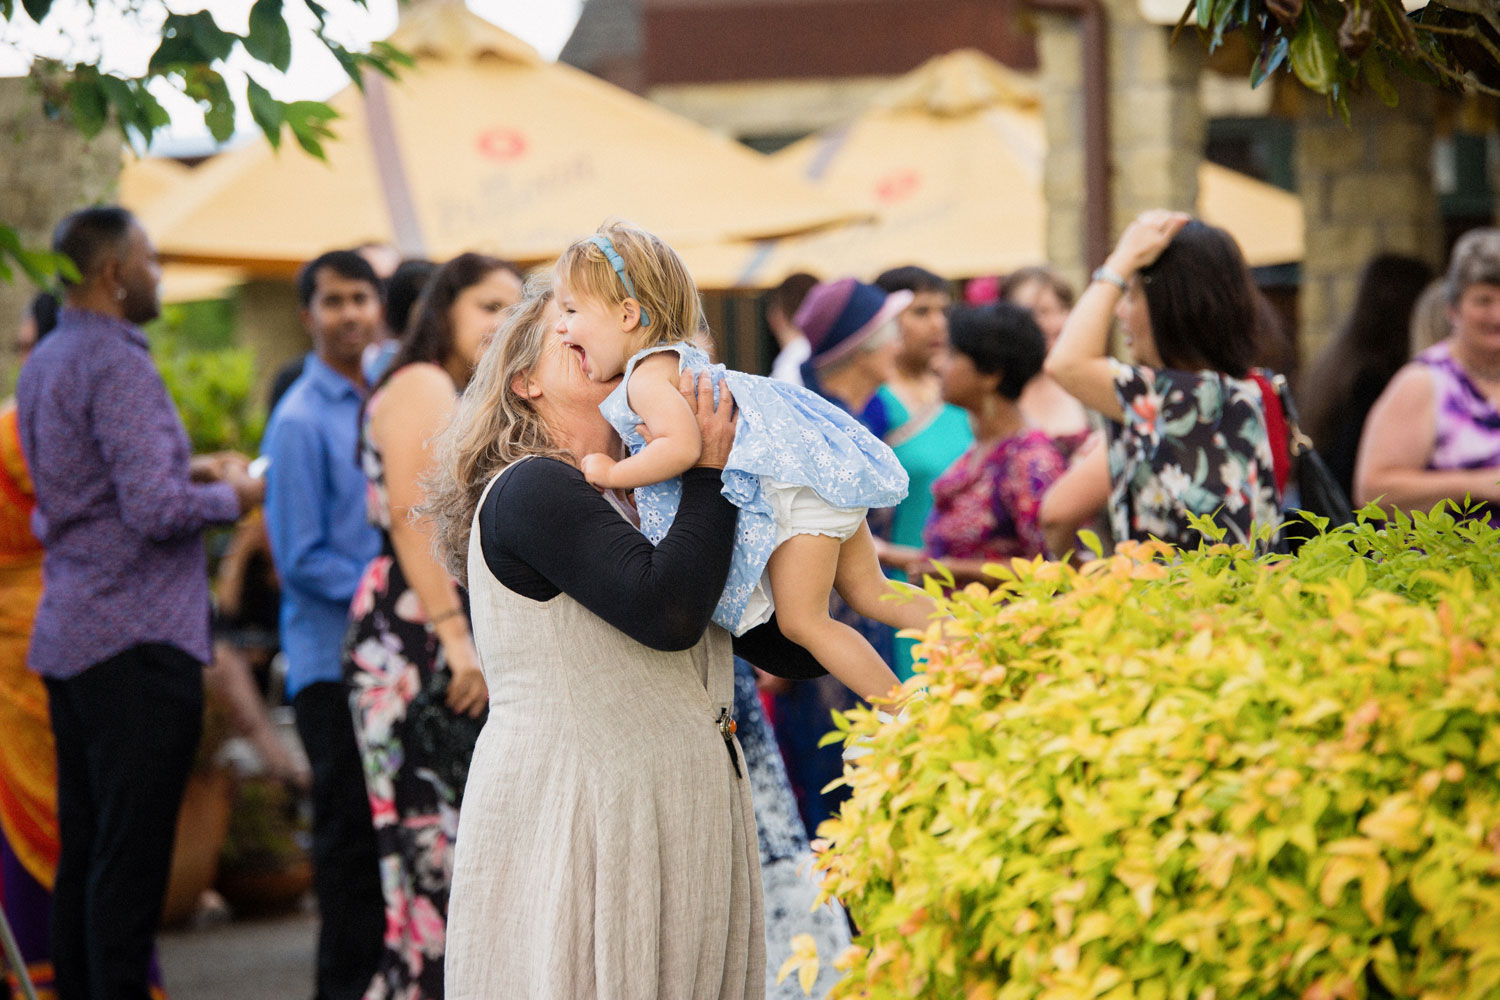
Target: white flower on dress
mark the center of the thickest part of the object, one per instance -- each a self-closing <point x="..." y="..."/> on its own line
<point x="1152" y="497"/>
<point x="1232" y="473"/>
<point x="1208" y="396"/>
<point x="1174" y="480"/>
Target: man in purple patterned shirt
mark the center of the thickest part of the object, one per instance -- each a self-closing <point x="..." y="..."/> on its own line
<point x="122" y="630"/>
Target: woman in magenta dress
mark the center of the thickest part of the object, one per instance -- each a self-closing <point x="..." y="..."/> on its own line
<point x="985" y="506"/>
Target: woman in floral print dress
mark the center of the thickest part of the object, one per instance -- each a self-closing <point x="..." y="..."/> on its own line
<point x="1187" y="431"/>
<point x="410" y="624"/>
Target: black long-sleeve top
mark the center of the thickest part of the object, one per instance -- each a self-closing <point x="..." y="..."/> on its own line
<point x="544" y="531"/>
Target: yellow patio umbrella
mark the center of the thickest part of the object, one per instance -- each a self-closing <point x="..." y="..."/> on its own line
<point x="484" y="145"/>
<point x="949" y="159"/>
<point x="150" y="187"/>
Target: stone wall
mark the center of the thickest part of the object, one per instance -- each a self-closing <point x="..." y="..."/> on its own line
<point x="1060" y="52"/>
<point x="1157" y="119"/>
<point x="770" y="107"/>
<point x="1366" y="189"/>
<point x="268" y="320"/>
<point x="1492" y="156"/>
<point x="1156" y="125"/>
<point x="47" y="169"/>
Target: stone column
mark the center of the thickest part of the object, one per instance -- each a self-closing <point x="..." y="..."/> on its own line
<point x="47" y="169"/>
<point x="1156" y="124"/>
<point x="1157" y="120"/>
<point x="268" y="321"/>
<point x="1492" y="157"/>
<point x="1366" y="188"/>
<point x="1060" y="53"/>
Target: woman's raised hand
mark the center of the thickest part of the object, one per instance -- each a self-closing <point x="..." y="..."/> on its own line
<point x="1144" y="240"/>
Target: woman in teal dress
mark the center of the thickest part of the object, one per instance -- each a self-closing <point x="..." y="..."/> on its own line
<point x="909" y="413"/>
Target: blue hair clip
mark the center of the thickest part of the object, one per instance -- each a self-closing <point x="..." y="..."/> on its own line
<point x="607" y="246"/>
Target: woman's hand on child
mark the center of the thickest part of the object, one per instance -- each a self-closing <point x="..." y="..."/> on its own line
<point x="715" y="422"/>
<point x="596" y="469"/>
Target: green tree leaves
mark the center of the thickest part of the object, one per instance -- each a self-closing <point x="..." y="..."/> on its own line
<point x="1337" y="47"/>
<point x="187" y="58"/>
<point x="38" y="265"/>
<point x="94" y="97"/>
<point x="190" y="39"/>
<point x="269" y="39"/>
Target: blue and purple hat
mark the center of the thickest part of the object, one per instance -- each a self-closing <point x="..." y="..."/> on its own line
<point x="838" y="317"/>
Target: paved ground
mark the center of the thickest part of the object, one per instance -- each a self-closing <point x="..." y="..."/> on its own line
<point x="268" y="959"/>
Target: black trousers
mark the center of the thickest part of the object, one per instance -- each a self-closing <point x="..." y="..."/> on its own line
<point x="127" y="729"/>
<point x="346" y="863"/>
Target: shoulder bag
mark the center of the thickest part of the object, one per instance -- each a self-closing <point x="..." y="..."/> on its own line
<point x="1311" y="487"/>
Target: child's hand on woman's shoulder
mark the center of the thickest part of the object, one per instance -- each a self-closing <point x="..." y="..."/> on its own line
<point x="596" y="469"/>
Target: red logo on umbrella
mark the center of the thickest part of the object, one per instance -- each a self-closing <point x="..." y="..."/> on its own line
<point x="897" y="186"/>
<point x="501" y="144"/>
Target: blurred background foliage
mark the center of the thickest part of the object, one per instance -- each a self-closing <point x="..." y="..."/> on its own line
<point x="210" y="379"/>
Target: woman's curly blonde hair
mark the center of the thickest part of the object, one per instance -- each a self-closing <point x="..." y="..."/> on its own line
<point x="492" y="428"/>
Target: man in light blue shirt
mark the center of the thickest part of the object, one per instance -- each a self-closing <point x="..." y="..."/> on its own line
<point x="322" y="540"/>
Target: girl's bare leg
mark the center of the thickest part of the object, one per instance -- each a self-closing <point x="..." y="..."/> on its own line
<point x="864" y="587"/>
<point x="801" y="572"/>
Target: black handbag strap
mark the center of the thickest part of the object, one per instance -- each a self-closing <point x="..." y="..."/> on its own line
<point x="1298" y="443"/>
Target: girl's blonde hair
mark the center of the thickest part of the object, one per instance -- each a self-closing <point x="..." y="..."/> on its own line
<point x="492" y="427"/>
<point x="663" y="287"/>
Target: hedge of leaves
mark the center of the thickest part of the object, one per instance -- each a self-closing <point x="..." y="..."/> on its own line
<point x="1193" y="775"/>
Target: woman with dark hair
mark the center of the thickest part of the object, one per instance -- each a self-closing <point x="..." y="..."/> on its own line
<point x="1187" y="428"/>
<point x="926" y="432"/>
<point x="402" y="290"/>
<point x="1354" y="369"/>
<point x="409" y="634"/>
<point x="984" y="508"/>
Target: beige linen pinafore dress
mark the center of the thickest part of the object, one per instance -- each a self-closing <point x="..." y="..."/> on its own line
<point x="607" y="844"/>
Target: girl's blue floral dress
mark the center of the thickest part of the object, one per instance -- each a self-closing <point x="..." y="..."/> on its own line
<point x="784" y="436"/>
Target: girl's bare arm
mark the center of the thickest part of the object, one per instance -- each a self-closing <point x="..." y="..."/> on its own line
<point x="675" y="442"/>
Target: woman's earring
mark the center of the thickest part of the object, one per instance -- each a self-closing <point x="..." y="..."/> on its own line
<point x="119" y="295"/>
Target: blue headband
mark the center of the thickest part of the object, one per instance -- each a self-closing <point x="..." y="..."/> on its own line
<point x="607" y="246"/>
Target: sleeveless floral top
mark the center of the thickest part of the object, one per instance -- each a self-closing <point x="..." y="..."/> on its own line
<point x="1467" y="423"/>
<point x="377" y="501"/>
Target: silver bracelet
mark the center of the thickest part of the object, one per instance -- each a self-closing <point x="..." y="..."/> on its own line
<point x="1106" y="273"/>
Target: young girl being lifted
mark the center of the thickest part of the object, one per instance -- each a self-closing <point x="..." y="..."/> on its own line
<point x="803" y="473"/>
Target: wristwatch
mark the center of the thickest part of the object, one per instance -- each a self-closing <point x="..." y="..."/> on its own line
<point x="1106" y="273"/>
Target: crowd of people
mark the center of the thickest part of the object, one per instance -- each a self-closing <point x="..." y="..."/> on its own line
<point x="564" y="605"/>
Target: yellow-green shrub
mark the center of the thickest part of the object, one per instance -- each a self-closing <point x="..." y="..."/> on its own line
<point x="1193" y="775"/>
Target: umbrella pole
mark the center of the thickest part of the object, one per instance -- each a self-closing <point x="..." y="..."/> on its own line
<point x="14" y="959"/>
